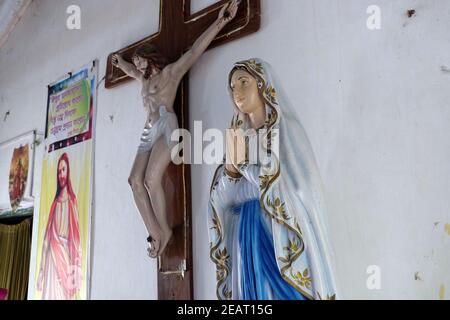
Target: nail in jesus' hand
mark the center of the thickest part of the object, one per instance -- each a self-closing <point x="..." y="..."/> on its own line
<point x="229" y="11"/>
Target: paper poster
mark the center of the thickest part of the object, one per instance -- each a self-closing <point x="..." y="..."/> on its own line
<point x="62" y="256"/>
<point x="16" y="176"/>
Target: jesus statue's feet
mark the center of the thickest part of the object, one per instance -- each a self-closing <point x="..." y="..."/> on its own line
<point x="153" y="246"/>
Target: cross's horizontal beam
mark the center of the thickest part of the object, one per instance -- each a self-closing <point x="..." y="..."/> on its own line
<point x="179" y="29"/>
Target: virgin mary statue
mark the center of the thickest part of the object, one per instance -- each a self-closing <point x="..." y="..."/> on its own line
<point x="267" y="230"/>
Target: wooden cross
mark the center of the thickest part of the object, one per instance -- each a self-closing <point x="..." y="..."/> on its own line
<point x="178" y="30"/>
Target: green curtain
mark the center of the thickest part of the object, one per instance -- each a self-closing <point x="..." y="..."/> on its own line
<point x="15" y="248"/>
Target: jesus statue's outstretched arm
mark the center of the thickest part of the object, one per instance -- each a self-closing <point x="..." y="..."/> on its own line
<point x="228" y="12"/>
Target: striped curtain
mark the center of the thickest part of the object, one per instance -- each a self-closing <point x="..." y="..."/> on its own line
<point x="15" y="248"/>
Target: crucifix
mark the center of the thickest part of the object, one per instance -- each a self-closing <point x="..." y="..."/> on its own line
<point x="177" y="33"/>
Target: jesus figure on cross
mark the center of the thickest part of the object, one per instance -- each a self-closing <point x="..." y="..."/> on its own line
<point x="159" y="88"/>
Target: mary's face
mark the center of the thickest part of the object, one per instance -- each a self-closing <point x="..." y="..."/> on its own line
<point x="62" y="174"/>
<point x="245" y="92"/>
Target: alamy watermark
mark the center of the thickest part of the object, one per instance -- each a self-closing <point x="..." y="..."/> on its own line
<point x="73" y="21"/>
<point x="373" y="281"/>
<point x="211" y="146"/>
<point x="374" y="19"/>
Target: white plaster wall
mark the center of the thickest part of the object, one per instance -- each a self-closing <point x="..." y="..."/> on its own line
<point x="374" y="103"/>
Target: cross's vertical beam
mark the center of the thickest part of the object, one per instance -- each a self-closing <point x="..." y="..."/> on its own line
<point x="175" y="276"/>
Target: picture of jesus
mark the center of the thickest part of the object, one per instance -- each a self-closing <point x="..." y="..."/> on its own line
<point x="60" y="275"/>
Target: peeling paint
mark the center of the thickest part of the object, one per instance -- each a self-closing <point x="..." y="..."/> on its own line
<point x="411" y="13"/>
<point x="417" y="276"/>
<point x="445" y="69"/>
<point x="7" y="113"/>
<point x="442" y="292"/>
<point x="447" y="228"/>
